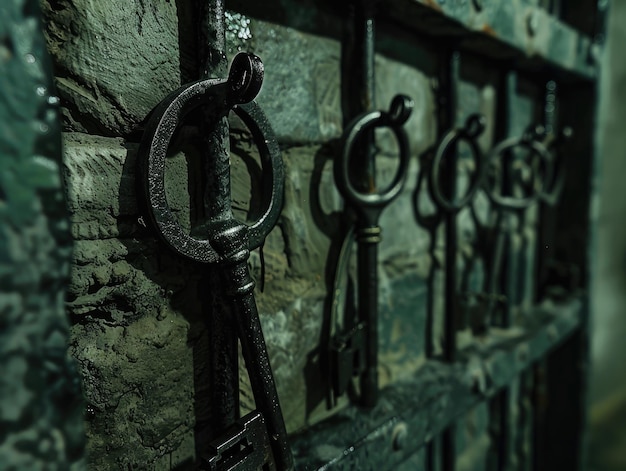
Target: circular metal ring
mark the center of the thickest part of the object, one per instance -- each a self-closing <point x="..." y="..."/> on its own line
<point x="153" y="150"/>
<point x="553" y="190"/>
<point x="537" y="149"/>
<point x="551" y="196"/>
<point x="400" y="111"/>
<point x="472" y="129"/>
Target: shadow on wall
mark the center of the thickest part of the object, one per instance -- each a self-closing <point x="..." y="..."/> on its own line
<point x="607" y="417"/>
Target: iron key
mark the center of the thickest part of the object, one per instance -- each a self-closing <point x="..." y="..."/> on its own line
<point x="224" y="240"/>
<point x="368" y="205"/>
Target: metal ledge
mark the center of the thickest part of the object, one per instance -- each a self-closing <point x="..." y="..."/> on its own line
<point x="508" y="31"/>
<point x="424" y="405"/>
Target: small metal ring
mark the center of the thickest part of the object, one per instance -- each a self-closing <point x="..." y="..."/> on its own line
<point x="474" y="126"/>
<point x="536" y="148"/>
<point x="400" y="111"/>
<point x="552" y="194"/>
<point x="153" y="150"/>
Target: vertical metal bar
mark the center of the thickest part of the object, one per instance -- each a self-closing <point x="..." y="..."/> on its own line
<point x="447" y="120"/>
<point x="224" y="370"/>
<point x="358" y="96"/>
<point x="508" y="285"/>
<point x="450" y="77"/>
<point x="212" y="63"/>
<point x="505" y="398"/>
<point x="568" y="365"/>
<point x="367" y="253"/>
<point x="501" y="405"/>
<point x="358" y="80"/>
<point x="544" y="249"/>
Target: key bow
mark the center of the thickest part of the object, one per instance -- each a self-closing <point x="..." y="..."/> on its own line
<point x="216" y="97"/>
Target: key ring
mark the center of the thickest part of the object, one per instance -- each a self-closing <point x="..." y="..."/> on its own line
<point x="219" y="96"/>
<point x="366" y="202"/>
<point x="529" y="142"/>
<point x="553" y="190"/>
<point x="474" y="127"/>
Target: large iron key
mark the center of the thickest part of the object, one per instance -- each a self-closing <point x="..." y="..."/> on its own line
<point x="368" y="205"/>
<point x="223" y="240"/>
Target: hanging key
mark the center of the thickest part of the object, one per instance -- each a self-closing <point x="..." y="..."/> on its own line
<point x="443" y="177"/>
<point x="368" y="204"/>
<point x="225" y="241"/>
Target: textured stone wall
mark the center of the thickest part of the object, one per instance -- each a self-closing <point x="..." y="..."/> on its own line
<point x="138" y="332"/>
<point x="41" y="407"/>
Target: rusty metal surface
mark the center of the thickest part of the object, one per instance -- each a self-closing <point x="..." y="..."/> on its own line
<point x="434" y="398"/>
<point x="509" y="30"/>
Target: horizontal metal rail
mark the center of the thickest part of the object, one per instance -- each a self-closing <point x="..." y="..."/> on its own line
<point x="411" y="412"/>
<point x="511" y="30"/>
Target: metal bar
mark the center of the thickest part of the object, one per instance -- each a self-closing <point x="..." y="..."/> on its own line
<point x="565" y="431"/>
<point x="493" y="32"/>
<point x="358" y="82"/>
<point x="506" y="119"/>
<point x="450" y="77"/>
<point x="357" y="60"/>
<point x="447" y="120"/>
<point x="500" y="408"/>
<point x="358" y="96"/>
<point x="368" y="206"/>
<point x="224" y="370"/>
<point x="353" y="439"/>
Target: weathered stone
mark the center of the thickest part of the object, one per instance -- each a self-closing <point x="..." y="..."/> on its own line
<point x="114" y="61"/>
<point x="139" y="382"/>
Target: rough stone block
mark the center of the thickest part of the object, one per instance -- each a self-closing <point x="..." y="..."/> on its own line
<point x="114" y="60"/>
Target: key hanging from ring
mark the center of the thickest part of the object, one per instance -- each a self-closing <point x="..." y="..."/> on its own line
<point x="510" y="196"/>
<point x="444" y="166"/>
<point x="346" y="353"/>
<point x="497" y="252"/>
<point x="554" y="141"/>
<point x="259" y="438"/>
<point x="447" y="201"/>
<point x="506" y="161"/>
<point x="443" y="178"/>
<point x="355" y="351"/>
<point x="354" y="347"/>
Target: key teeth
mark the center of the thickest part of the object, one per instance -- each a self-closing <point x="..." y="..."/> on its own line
<point x="245" y="77"/>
